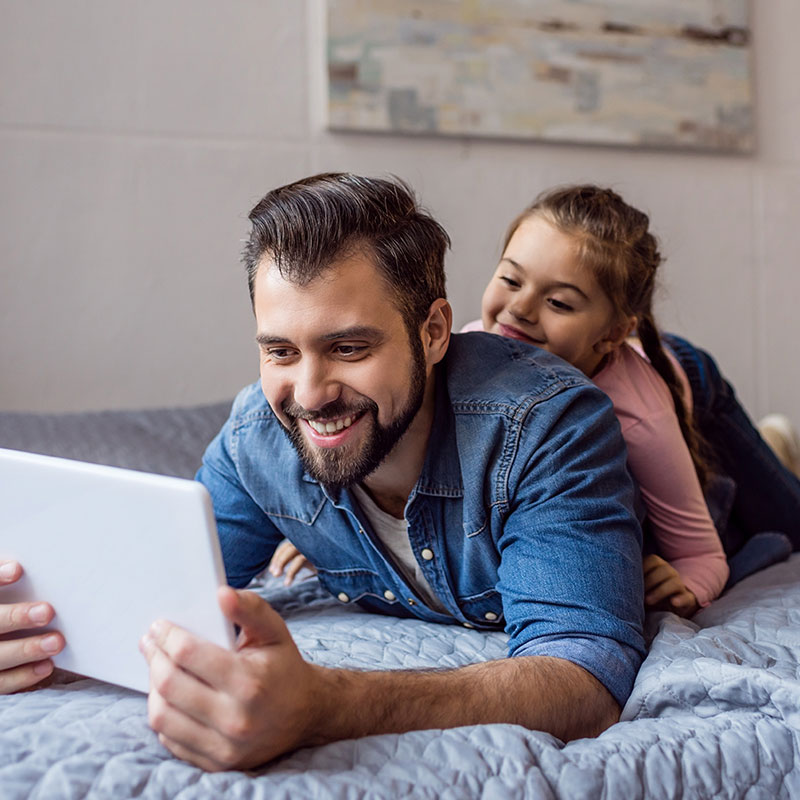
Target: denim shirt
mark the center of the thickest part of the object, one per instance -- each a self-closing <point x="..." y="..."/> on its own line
<point x="521" y="520"/>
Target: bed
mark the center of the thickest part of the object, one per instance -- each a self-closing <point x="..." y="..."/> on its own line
<point x="714" y="713"/>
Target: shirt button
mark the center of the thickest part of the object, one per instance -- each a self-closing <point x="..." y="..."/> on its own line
<point x="491" y="616"/>
<point x="467" y="624"/>
<point x="427" y="554"/>
<point x="389" y="595"/>
<point x="343" y="597"/>
<point x="412" y="601"/>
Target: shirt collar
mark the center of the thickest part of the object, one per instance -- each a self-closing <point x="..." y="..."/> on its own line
<point x="441" y="472"/>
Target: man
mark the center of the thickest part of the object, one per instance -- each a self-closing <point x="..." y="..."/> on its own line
<point x="473" y="480"/>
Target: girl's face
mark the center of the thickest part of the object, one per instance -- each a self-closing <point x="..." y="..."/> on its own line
<point x="540" y="294"/>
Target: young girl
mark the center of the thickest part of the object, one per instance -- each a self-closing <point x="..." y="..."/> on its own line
<point x="576" y="278"/>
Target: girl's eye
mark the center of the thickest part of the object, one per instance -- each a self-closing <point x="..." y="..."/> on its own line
<point x="510" y="281"/>
<point x="559" y="305"/>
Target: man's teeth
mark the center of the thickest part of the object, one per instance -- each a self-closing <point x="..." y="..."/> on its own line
<point x="331" y="427"/>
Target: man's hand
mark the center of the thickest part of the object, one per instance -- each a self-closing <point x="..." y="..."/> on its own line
<point x="223" y="710"/>
<point x="664" y="590"/>
<point x="26" y="661"/>
<point x="288" y="557"/>
<point x="236" y="710"/>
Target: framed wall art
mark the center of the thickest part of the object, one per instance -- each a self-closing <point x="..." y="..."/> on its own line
<point x="653" y="73"/>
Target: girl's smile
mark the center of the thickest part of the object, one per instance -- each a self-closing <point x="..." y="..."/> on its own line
<point x="515" y="333"/>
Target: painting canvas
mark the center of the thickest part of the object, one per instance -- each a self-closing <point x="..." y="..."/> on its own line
<point x="672" y="73"/>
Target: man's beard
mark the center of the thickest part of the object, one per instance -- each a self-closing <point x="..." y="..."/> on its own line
<point x="335" y="467"/>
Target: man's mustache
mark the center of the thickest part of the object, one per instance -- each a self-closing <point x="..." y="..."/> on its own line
<point x="336" y="408"/>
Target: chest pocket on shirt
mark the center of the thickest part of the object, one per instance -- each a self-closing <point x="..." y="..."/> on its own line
<point x="305" y="509"/>
<point x="485" y="609"/>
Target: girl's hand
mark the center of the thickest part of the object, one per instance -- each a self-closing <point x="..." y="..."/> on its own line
<point x="664" y="590"/>
<point x="288" y="557"/>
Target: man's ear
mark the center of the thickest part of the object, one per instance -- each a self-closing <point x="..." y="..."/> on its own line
<point x="616" y="335"/>
<point x="436" y="331"/>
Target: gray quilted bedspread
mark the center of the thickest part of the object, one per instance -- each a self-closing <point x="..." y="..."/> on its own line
<point x="714" y="714"/>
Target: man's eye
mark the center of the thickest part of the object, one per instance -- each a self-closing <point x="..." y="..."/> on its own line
<point x="510" y="281"/>
<point x="279" y="353"/>
<point x="350" y="350"/>
<point x="559" y="305"/>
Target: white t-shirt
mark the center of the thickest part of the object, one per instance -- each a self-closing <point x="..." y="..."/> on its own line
<point x="393" y="534"/>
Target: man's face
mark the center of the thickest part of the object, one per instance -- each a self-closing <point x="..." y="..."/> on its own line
<point x="337" y="367"/>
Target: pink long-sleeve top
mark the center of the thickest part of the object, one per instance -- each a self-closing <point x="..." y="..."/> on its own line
<point x="660" y="462"/>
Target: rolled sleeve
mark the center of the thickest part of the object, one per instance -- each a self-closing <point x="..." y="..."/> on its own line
<point x="613" y="664"/>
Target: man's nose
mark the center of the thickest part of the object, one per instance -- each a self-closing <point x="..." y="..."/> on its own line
<point x="314" y="385"/>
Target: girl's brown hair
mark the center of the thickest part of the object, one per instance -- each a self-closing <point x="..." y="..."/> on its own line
<point x="613" y="240"/>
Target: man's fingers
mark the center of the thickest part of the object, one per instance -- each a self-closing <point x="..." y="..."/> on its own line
<point x="184" y="736"/>
<point x="260" y="623"/>
<point x="183" y="691"/>
<point x="205" y="662"/>
<point x="23" y="616"/>
<point x="188" y="755"/>
<point x="14" y="680"/>
<point x="10" y="571"/>
<point x="16" y="652"/>
<point x="168" y="645"/>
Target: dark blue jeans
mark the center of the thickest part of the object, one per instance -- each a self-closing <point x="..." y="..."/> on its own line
<point x="751" y="491"/>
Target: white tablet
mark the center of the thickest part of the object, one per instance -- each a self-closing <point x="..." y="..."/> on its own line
<point x="111" y="550"/>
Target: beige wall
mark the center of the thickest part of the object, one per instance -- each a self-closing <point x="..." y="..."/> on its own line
<point x="135" y="136"/>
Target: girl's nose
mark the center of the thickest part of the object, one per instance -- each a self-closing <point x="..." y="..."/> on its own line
<point x="524" y="310"/>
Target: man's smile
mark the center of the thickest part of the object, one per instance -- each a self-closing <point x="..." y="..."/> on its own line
<point x="331" y="432"/>
<point x="331" y="426"/>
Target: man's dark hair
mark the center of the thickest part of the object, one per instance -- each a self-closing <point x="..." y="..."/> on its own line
<point x="307" y="226"/>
